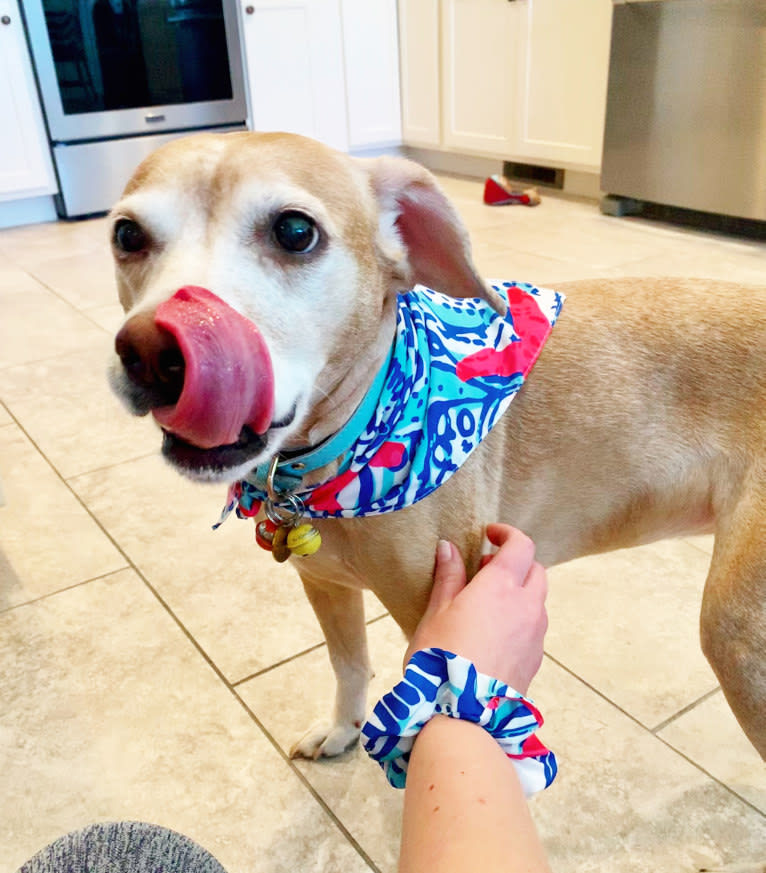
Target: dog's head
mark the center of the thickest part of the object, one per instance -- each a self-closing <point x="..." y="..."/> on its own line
<point x="259" y="274"/>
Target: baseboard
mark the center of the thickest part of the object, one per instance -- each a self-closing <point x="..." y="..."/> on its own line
<point x="30" y="210"/>
<point x="577" y="183"/>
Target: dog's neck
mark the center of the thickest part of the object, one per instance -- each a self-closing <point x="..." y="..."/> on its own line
<point x="329" y="407"/>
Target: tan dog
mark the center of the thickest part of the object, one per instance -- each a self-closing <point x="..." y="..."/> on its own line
<point x="642" y="419"/>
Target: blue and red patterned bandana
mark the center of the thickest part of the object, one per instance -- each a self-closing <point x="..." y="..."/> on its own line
<point x="454" y="369"/>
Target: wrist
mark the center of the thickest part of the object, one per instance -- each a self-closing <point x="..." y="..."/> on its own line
<point x="441" y="683"/>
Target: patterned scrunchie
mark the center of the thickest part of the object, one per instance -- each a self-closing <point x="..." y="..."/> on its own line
<point x="439" y="682"/>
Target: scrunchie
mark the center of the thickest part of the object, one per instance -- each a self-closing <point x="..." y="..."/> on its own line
<point x="437" y="682"/>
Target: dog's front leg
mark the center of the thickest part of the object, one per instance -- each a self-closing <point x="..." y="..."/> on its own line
<point x="340" y="611"/>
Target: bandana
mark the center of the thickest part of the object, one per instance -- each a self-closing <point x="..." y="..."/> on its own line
<point x="454" y="368"/>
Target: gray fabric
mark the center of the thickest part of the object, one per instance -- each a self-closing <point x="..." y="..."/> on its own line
<point x="123" y="847"/>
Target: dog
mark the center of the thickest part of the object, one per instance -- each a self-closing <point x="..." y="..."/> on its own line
<point x="642" y="417"/>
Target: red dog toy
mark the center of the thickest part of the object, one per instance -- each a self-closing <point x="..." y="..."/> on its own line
<point x="499" y="191"/>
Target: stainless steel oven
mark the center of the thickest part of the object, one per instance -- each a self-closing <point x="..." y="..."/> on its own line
<point x="120" y="77"/>
<point x="686" y="108"/>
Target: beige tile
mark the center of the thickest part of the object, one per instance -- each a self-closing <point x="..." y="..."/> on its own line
<point x="689" y="253"/>
<point x="84" y="280"/>
<point x="709" y="258"/>
<point x="625" y="801"/>
<point x="705" y="542"/>
<point x="590" y="241"/>
<point x="36" y="325"/>
<point x="47" y="540"/>
<point x="110" y="713"/>
<point x="14" y="280"/>
<point x="518" y="266"/>
<point x="245" y="610"/>
<point x="5" y="417"/>
<point x="66" y="406"/>
<point x="110" y="316"/>
<point x="710" y="736"/>
<point x="622" y="801"/>
<point x="627" y="623"/>
<point x="33" y="244"/>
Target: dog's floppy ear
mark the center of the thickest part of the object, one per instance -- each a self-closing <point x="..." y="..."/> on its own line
<point x="415" y="213"/>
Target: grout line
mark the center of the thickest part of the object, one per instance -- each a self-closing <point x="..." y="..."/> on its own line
<point x="288" y="660"/>
<point x="236" y="683"/>
<point x="66" y="480"/>
<point x="697" y="547"/>
<point x="308" y="786"/>
<point x="59" y="296"/>
<point x="85" y="314"/>
<point x="257" y="722"/>
<point x="31" y="363"/>
<point x="660" y="739"/>
<point x="378" y="618"/>
<point x="596" y="691"/>
<point x="107" y="467"/>
<point x="34" y="600"/>
<point x="663" y="724"/>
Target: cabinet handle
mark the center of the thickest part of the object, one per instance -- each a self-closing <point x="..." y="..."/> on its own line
<point x="6" y="19"/>
<point x="249" y="9"/>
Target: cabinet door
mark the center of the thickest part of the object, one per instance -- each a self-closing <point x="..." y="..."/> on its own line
<point x="562" y="80"/>
<point x="480" y="45"/>
<point x="420" y="71"/>
<point x="371" y="51"/>
<point x="25" y="164"/>
<point x="294" y="58"/>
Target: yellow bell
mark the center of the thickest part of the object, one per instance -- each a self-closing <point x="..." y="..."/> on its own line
<point x="304" y="540"/>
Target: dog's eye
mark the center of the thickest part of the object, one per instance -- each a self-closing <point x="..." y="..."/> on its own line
<point x="129" y="236"/>
<point x="296" y="232"/>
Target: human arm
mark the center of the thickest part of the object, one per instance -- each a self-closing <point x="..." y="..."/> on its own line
<point x="464" y="805"/>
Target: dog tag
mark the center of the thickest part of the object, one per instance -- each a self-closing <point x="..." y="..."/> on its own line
<point x="279" y="547"/>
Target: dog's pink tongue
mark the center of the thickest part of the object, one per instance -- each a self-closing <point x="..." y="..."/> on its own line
<point x="228" y="378"/>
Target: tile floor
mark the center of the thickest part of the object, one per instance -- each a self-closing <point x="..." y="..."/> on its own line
<point x="153" y="670"/>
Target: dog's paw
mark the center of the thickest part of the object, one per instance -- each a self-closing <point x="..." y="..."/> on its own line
<point x="325" y="741"/>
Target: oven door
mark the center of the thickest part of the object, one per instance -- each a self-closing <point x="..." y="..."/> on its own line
<point x="110" y="68"/>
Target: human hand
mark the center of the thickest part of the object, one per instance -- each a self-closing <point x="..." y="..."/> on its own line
<point x="498" y="620"/>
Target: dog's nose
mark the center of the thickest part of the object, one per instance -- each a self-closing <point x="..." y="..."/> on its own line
<point x="152" y="358"/>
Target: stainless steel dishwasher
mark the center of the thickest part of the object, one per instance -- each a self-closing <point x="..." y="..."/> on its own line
<point x="686" y="107"/>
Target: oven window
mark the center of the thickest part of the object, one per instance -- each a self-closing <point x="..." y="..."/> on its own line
<point x="125" y="54"/>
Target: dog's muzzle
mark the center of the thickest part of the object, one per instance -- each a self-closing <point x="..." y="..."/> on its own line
<point x="204" y="372"/>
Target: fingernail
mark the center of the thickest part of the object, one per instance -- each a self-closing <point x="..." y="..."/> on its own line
<point x="444" y="550"/>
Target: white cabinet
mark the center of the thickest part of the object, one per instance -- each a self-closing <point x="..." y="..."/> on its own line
<point x="327" y="69"/>
<point x="420" y="71"/>
<point x="25" y="164"/>
<point x="371" y="54"/>
<point x="562" y="80"/>
<point x="479" y="56"/>
<point x="294" y="58"/>
<point x="524" y="79"/>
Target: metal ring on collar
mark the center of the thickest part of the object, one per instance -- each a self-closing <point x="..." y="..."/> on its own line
<point x="280" y="514"/>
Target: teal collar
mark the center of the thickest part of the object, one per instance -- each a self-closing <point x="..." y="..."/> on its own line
<point x="291" y="470"/>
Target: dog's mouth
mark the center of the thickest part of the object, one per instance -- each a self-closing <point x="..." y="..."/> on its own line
<point x="218" y="462"/>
